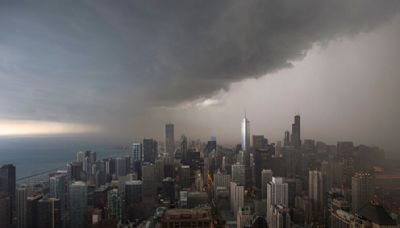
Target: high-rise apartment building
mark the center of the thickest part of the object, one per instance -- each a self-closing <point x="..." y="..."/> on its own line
<point x="362" y="190"/>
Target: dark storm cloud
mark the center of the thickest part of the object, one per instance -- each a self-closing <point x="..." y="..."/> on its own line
<point x="104" y="61"/>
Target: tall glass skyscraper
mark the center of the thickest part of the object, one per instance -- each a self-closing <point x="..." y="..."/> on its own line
<point x="245" y="133"/>
<point x="137" y="152"/>
<point x="78" y="204"/>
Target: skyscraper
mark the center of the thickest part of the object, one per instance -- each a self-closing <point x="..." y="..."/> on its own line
<point x="150" y="150"/>
<point x="266" y="177"/>
<point x="149" y="180"/>
<point x="238" y="174"/>
<point x="169" y="139"/>
<point x="32" y="210"/>
<point x="316" y="190"/>
<point x="296" y="139"/>
<point x="114" y="203"/>
<point x="137" y="151"/>
<point x="286" y="140"/>
<point x="7" y="182"/>
<point x="22" y="197"/>
<point x="78" y="204"/>
<point x="80" y="156"/>
<point x="5" y="211"/>
<point x="184" y="176"/>
<point x="49" y="213"/>
<point x="133" y="192"/>
<point x="277" y="194"/>
<point x="121" y="168"/>
<point x="237" y="197"/>
<point x="245" y="133"/>
<point x="259" y="142"/>
<point x="362" y="190"/>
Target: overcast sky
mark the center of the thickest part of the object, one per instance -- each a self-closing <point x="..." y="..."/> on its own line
<point x="125" y="68"/>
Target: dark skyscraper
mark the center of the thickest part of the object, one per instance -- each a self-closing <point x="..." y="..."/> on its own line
<point x="150" y="150"/>
<point x="296" y="140"/>
<point x="7" y="182"/>
<point x="169" y="139"/>
<point x="286" y="141"/>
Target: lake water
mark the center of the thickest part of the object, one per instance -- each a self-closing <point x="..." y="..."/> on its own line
<point x="35" y="155"/>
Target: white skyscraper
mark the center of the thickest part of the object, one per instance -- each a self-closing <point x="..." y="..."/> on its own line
<point x="266" y="177"/>
<point x="137" y="151"/>
<point x="277" y="194"/>
<point x="237" y="197"/>
<point x="245" y="133"/>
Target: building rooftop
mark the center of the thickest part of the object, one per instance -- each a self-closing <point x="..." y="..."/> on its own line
<point x="376" y="214"/>
<point x="186" y="214"/>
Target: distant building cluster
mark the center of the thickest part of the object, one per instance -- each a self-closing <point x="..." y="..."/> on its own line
<point x="189" y="183"/>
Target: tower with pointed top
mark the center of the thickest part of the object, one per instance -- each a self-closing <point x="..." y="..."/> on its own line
<point x="245" y="133"/>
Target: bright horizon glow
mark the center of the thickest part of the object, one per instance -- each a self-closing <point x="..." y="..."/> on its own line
<point x="34" y="127"/>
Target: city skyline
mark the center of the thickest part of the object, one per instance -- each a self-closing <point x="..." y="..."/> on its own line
<point x="199" y="114"/>
<point x="107" y="87"/>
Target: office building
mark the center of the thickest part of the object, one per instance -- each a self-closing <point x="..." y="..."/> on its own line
<point x="121" y="166"/>
<point x="150" y="150"/>
<point x="7" y="182"/>
<point x="259" y="142"/>
<point x="137" y="152"/>
<point x="221" y="180"/>
<point x="244" y="217"/>
<point x="133" y="192"/>
<point x="362" y="190"/>
<point x="277" y="194"/>
<point x="245" y="134"/>
<point x="168" y="189"/>
<point x="199" y="218"/>
<point x="5" y="211"/>
<point x="295" y="137"/>
<point x="80" y="156"/>
<point x="238" y="174"/>
<point x="49" y="213"/>
<point x="316" y="190"/>
<point x="184" y="176"/>
<point x="115" y="205"/>
<point x="32" y="211"/>
<point x="22" y="197"/>
<point x="58" y="188"/>
<point x="149" y="180"/>
<point x="169" y="139"/>
<point x="75" y="170"/>
<point x="237" y="197"/>
<point x="78" y="204"/>
<point x="266" y="177"/>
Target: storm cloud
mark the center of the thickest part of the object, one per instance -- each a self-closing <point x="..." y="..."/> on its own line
<point x="111" y="62"/>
